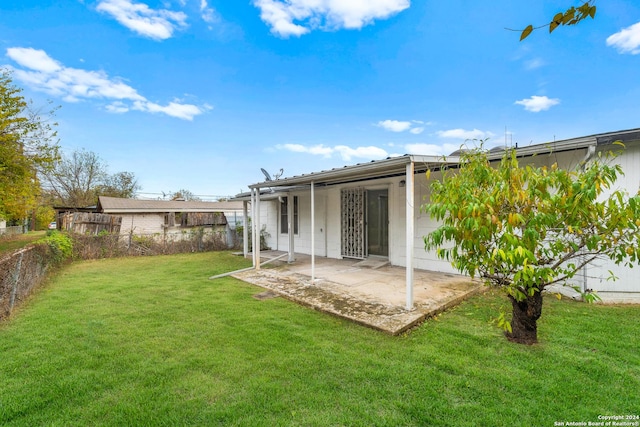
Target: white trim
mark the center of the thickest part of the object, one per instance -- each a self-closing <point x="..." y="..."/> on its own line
<point x="313" y="233"/>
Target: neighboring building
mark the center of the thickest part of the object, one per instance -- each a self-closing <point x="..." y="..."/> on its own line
<point x="373" y="209"/>
<point x="170" y="217"/>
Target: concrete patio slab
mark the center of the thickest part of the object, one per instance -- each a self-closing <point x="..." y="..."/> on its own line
<point x="371" y="297"/>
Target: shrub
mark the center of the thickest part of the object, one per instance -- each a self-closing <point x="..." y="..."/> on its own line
<point x="60" y="245"/>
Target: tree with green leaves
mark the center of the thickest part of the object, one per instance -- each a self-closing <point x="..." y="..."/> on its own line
<point x="524" y="228"/>
<point x="28" y="144"/>
<point x="76" y="180"/>
<point x="572" y="16"/>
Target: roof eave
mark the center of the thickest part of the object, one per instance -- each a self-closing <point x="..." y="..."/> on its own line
<point x="371" y="170"/>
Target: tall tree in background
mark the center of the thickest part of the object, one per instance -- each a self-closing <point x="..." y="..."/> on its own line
<point x="121" y="184"/>
<point x="78" y="179"/>
<point x="28" y="143"/>
<point x="184" y="194"/>
<point x="523" y="229"/>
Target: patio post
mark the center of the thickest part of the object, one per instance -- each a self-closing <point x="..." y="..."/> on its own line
<point x="313" y="233"/>
<point x="256" y="222"/>
<point x="245" y="229"/>
<point x="410" y="232"/>
<point x="253" y="226"/>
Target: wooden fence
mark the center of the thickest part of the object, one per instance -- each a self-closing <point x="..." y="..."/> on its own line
<point x="91" y="223"/>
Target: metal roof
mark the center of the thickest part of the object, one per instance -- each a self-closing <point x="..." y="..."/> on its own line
<point x="396" y="166"/>
<point x="392" y="166"/>
<point x="120" y="205"/>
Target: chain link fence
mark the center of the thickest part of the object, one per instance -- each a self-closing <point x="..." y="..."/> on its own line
<point x="20" y="273"/>
<point x="23" y="270"/>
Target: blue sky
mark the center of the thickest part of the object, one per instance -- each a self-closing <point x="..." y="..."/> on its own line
<point x="201" y="94"/>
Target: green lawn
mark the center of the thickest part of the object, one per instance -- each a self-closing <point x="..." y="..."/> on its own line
<point x="151" y="341"/>
<point x="11" y="243"/>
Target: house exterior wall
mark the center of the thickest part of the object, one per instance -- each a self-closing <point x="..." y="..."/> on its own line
<point x="328" y="224"/>
<point x="152" y="224"/>
<point x="148" y="223"/>
<point x="626" y="288"/>
<point x="328" y="231"/>
<point x="596" y="276"/>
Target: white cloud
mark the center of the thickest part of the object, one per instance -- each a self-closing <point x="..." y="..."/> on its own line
<point x="298" y="17"/>
<point x="173" y="109"/>
<point x="402" y="126"/>
<point x="394" y="125"/>
<point x="345" y="152"/>
<point x="535" y="104"/>
<point x="207" y="13"/>
<point x="626" y="40"/>
<point x="424" y="149"/>
<point x="370" y="152"/>
<point x="37" y="60"/>
<point x="42" y="73"/>
<point x="316" y="149"/>
<point x="140" y="18"/>
<point x="117" y="107"/>
<point x="464" y="134"/>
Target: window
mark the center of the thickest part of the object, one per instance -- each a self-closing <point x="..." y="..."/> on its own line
<point x="284" y="215"/>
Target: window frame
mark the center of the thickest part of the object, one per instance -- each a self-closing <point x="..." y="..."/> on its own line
<point x="284" y="214"/>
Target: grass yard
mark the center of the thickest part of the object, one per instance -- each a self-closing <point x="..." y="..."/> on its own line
<point x="150" y="341"/>
<point x="11" y="243"/>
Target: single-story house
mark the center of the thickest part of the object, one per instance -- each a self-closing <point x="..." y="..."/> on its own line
<point x="373" y="209"/>
<point x="171" y="217"/>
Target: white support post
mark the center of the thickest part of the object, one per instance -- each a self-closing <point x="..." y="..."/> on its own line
<point x="256" y="242"/>
<point x="313" y="233"/>
<point x="410" y="232"/>
<point x="253" y="226"/>
<point x="290" y="227"/>
<point x="245" y="229"/>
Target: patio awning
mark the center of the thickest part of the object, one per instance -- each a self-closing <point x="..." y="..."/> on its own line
<point x="392" y="166"/>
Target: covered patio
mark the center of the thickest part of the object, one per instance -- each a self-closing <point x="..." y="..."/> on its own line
<point x="369" y="292"/>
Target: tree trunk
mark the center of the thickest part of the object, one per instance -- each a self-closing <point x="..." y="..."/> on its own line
<point x="524" y="328"/>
